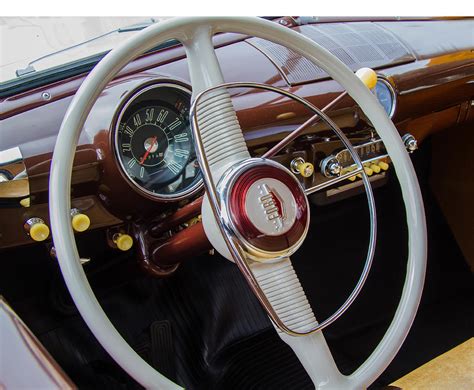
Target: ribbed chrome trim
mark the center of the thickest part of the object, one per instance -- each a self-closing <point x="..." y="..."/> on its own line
<point x="14" y="181"/>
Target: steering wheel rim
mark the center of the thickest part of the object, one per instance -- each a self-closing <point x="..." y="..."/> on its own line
<point x="195" y="34"/>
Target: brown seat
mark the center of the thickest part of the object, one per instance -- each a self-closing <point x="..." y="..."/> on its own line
<point x="451" y="370"/>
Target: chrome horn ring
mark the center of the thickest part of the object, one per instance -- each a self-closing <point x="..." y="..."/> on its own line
<point x="237" y="247"/>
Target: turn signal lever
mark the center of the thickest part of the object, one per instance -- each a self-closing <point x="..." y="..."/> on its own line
<point x="366" y="75"/>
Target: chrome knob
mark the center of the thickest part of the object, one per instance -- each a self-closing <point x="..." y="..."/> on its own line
<point x="410" y="142"/>
<point x="331" y="167"/>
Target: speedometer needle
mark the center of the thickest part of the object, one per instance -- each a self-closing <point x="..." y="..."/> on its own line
<point x="152" y="144"/>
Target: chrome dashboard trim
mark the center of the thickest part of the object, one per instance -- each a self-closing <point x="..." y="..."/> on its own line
<point x="391" y="88"/>
<point x="14" y="182"/>
<point x="374" y="142"/>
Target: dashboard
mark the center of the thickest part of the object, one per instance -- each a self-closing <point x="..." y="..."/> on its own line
<point x="135" y="171"/>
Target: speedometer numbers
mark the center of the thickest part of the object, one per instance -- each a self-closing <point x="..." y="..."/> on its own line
<point x="152" y="139"/>
<point x="154" y="142"/>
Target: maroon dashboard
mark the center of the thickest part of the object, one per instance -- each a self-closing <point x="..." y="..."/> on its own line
<point x="427" y="66"/>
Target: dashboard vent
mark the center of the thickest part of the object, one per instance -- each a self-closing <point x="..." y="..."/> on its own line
<point x="356" y="44"/>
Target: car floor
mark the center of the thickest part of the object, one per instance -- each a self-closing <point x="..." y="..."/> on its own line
<point x="203" y="328"/>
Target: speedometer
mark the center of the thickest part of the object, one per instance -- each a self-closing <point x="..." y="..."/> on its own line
<point x="154" y="143"/>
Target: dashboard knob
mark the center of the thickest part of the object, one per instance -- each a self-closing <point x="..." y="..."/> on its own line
<point x="37" y="229"/>
<point x="368" y="77"/>
<point x="331" y="167"/>
<point x="305" y="169"/>
<point x="410" y="142"/>
<point x="383" y="165"/>
<point x="25" y="202"/>
<point x="334" y="168"/>
<point x="123" y="241"/>
<point x="80" y="222"/>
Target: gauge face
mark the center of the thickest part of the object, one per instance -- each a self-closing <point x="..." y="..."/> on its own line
<point x="385" y="96"/>
<point x="154" y="142"/>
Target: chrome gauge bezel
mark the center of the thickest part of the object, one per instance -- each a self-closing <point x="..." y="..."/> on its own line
<point x="127" y="102"/>
<point x="392" y="93"/>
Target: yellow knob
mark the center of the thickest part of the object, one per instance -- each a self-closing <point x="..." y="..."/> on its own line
<point x="352" y="178"/>
<point x="123" y="241"/>
<point x="25" y="202"/>
<point x="375" y="168"/>
<point x="368" y="77"/>
<point x="80" y="222"/>
<point x="39" y="231"/>
<point x="305" y="169"/>
<point x="368" y="171"/>
<point x="383" y="165"/>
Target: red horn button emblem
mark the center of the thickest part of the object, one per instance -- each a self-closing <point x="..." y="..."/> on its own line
<point x="271" y="204"/>
<point x="268" y="208"/>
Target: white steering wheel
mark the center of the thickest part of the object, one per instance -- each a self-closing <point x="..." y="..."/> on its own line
<point x="232" y="174"/>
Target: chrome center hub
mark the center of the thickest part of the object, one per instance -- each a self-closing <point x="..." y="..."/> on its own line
<point x="151" y="144"/>
<point x="265" y="208"/>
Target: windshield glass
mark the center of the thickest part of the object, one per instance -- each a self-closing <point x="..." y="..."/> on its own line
<point x="30" y="45"/>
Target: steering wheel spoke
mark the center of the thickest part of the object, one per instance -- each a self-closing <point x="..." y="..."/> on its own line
<point x="282" y="288"/>
<point x="222" y="136"/>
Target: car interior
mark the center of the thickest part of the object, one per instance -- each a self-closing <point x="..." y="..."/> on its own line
<point x="243" y="203"/>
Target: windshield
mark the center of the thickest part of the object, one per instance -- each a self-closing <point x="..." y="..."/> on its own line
<point x="31" y="45"/>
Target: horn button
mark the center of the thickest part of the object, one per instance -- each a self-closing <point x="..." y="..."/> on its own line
<point x="267" y="209"/>
<point x="270" y="206"/>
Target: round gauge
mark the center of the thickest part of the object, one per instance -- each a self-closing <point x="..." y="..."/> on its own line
<point x="154" y="143"/>
<point x="386" y="96"/>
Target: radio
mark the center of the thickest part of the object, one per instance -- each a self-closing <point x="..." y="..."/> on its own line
<point x="376" y="163"/>
<point x="329" y="165"/>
